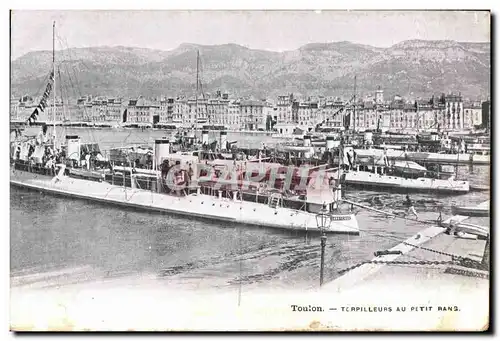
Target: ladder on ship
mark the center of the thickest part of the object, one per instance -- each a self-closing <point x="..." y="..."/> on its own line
<point x="275" y="200"/>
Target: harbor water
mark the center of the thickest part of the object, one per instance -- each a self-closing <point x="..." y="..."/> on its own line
<point x="57" y="242"/>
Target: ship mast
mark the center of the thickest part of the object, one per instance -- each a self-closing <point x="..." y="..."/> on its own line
<point x="54" y="75"/>
<point x="354" y="112"/>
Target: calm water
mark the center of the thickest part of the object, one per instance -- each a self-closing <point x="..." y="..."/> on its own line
<point x="57" y="241"/>
<point x="108" y="138"/>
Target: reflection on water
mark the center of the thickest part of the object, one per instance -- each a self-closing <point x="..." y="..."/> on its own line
<point x="96" y="242"/>
<point x="108" y="138"/>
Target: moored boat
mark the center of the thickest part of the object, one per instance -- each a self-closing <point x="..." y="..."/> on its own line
<point x="151" y="189"/>
<point x="191" y="203"/>
<point x="401" y="179"/>
<point x="464" y="158"/>
<point x="482" y="210"/>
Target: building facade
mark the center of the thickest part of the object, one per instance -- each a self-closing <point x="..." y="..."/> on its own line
<point x="472" y="115"/>
<point x="284" y="109"/>
<point x="252" y="114"/>
<point x="140" y="112"/>
<point x="166" y="111"/>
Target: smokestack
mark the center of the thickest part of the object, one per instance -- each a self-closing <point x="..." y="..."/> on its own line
<point x="162" y="150"/>
<point x="204" y="136"/>
<point x="307" y="141"/>
<point x="329" y="142"/>
<point x="74" y="147"/>
<point x="223" y="140"/>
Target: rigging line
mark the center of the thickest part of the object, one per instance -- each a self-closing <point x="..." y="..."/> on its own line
<point x="64" y="42"/>
<point x="69" y="78"/>
<point x="240" y="251"/>
<point x="42" y="85"/>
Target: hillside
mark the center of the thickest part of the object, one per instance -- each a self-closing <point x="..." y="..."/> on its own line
<point x="413" y="67"/>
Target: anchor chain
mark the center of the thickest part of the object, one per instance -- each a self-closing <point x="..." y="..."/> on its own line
<point x="457" y="257"/>
<point x="395" y="262"/>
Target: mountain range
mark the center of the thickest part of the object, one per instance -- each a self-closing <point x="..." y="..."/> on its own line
<point x="412" y="68"/>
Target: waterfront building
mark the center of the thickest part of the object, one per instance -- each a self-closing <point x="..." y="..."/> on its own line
<point x="442" y="112"/>
<point x="306" y="114"/>
<point x="425" y="118"/>
<point x="166" y="111"/>
<point x="285" y="128"/>
<point x="62" y="112"/>
<point x="23" y="108"/>
<point x="190" y="112"/>
<point x="453" y="119"/>
<point x="217" y="110"/>
<point x="284" y="109"/>
<point x="83" y="110"/>
<point x="99" y="110"/>
<point x="223" y="113"/>
<point x="396" y="114"/>
<point x="20" y="110"/>
<point x="235" y="121"/>
<point x="369" y="114"/>
<point x="140" y="112"/>
<point x="472" y="114"/>
<point x="180" y="111"/>
<point x="438" y="110"/>
<point x="197" y="111"/>
<point x="354" y="115"/>
<point x="332" y="113"/>
<point x="268" y="113"/>
<point x="385" y="120"/>
<point x="95" y="110"/>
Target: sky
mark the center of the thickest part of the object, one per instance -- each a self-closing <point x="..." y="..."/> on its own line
<point x="269" y="30"/>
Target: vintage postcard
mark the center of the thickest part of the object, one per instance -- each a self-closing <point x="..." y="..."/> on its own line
<point x="311" y="170"/>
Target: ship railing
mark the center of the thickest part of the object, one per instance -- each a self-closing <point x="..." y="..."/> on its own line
<point x="36" y="168"/>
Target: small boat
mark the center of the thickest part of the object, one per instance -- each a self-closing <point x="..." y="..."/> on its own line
<point x="472" y="211"/>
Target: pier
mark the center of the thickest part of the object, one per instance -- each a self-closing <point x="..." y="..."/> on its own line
<point x="432" y="237"/>
<point x="420" y="271"/>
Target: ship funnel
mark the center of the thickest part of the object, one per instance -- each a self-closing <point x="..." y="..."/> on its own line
<point x="223" y="140"/>
<point x="204" y="136"/>
<point x="162" y="150"/>
<point x="307" y="141"/>
<point x="369" y="137"/>
<point x="330" y="142"/>
<point x="74" y="147"/>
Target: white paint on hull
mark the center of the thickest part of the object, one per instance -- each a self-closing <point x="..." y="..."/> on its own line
<point x="389" y="181"/>
<point x="426" y="157"/>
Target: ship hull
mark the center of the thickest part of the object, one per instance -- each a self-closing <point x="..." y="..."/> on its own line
<point x="366" y="180"/>
<point x="426" y="157"/>
<point x="194" y="205"/>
